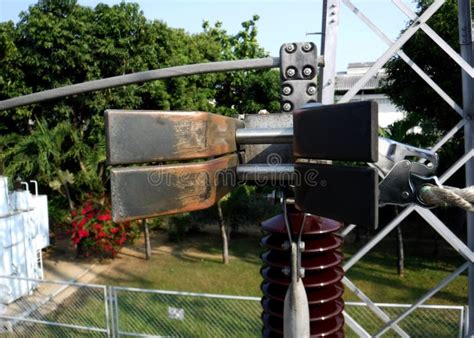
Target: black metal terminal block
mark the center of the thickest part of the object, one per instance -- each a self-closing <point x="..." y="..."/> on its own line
<point x="347" y="194"/>
<point x="297" y="93"/>
<point x="345" y="132"/>
<point x="298" y="73"/>
<point x="298" y="61"/>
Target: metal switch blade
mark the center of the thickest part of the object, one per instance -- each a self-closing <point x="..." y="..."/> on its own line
<point x="150" y="136"/>
<point x="142" y="192"/>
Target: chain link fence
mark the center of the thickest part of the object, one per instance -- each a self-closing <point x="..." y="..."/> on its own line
<point x="56" y="309"/>
<point x="158" y="313"/>
<point x="66" y="309"/>
<point x="425" y="321"/>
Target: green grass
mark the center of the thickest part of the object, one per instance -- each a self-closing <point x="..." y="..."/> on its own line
<point x="200" y="271"/>
<point x="376" y="274"/>
<point x="194" y="265"/>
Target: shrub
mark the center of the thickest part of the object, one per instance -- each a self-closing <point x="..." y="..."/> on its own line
<point x="95" y="234"/>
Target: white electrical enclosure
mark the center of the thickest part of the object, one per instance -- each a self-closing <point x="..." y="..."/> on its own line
<point x="24" y="232"/>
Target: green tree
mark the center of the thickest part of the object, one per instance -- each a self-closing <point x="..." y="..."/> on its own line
<point x="58" y="42"/>
<point x="424" y="107"/>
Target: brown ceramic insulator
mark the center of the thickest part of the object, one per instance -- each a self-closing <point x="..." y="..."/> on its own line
<point x="321" y="260"/>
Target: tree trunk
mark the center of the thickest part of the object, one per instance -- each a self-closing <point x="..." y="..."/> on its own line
<point x="68" y="195"/>
<point x="225" y="245"/>
<point x="146" y="235"/>
<point x="400" y="253"/>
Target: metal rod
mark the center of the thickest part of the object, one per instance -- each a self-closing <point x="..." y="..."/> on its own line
<point x="150" y="75"/>
<point x="107" y="316"/>
<point x="406" y="35"/>
<point x="264" y="135"/>
<point x="380" y="235"/>
<point x="265" y="172"/>
<point x="423" y="299"/>
<point x="116" y="308"/>
<point x="355" y="327"/>
<point x="402" y="54"/>
<point x="436" y="38"/>
<point x="330" y="27"/>
<point x="372" y="306"/>
<point x="70" y="326"/>
<point x="467" y="53"/>
<point x="456" y="166"/>
<point x="347" y="229"/>
<point x="186" y="294"/>
<point x="447" y="234"/>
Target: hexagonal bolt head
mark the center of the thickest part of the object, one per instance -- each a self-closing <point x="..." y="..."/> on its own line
<point x="307" y="47"/>
<point x="287" y="106"/>
<point x="286" y="90"/>
<point x="311" y="90"/>
<point x="307" y="71"/>
<point x="290" y="72"/>
<point x="290" y="48"/>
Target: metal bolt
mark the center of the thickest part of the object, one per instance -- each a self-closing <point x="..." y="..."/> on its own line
<point x="286" y="245"/>
<point x="287" y="106"/>
<point x="302" y="272"/>
<point x="307" y="71"/>
<point x="405" y="194"/>
<point x="286" y="271"/>
<point x="311" y="90"/>
<point x="307" y="47"/>
<point x="290" y="72"/>
<point x="286" y="90"/>
<point x="302" y="246"/>
<point x="290" y="48"/>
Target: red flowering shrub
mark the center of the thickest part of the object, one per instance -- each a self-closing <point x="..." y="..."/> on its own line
<point x="94" y="232"/>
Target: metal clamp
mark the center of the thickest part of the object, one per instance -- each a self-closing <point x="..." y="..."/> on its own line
<point x="403" y="183"/>
<point x="392" y="152"/>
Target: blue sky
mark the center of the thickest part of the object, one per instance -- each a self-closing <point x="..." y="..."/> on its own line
<point x="280" y="21"/>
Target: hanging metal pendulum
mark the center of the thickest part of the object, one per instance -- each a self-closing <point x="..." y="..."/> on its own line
<point x="296" y="307"/>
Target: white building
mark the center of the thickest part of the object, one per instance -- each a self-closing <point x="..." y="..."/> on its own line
<point x="388" y="112"/>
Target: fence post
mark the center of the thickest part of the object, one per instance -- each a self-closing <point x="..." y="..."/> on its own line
<point x="465" y="321"/>
<point x="110" y="312"/>
<point x="116" y="313"/>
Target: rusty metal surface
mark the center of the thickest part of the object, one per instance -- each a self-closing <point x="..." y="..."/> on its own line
<point x="346" y="132"/>
<point x="149" y="136"/>
<point x="143" y="192"/>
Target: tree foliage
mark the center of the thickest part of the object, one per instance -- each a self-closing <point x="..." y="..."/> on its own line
<point x="59" y="42"/>
<point x="424" y="107"/>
